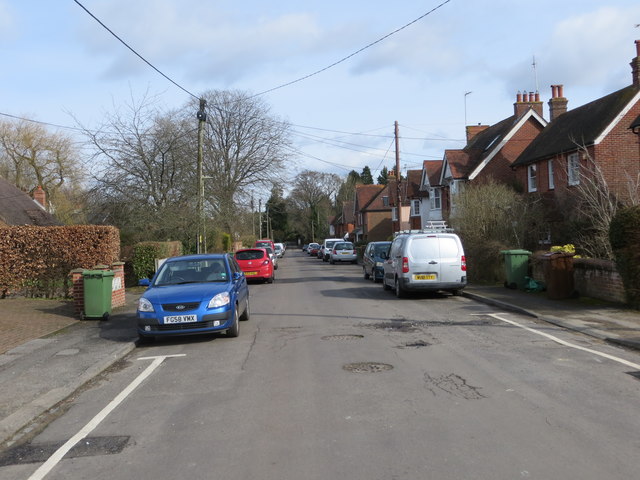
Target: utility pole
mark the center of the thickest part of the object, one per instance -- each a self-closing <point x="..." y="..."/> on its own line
<point x="260" y="217"/>
<point x="398" y="200"/>
<point x="202" y="118"/>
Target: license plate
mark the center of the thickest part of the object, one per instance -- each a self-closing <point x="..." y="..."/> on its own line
<point x="181" y="319"/>
<point x="431" y="276"/>
<point x="248" y="274"/>
<point x="346" y="253"/>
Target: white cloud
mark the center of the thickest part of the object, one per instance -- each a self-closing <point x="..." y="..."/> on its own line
<point x="7" y="21"/>
<point x="425" y="50"/>
<point x="591" y="49"/>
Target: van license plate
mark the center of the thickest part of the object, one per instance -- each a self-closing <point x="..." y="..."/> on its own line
<point x="181" y="319"/>
<point x="431" y="276"/>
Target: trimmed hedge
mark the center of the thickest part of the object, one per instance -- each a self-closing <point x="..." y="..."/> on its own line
<point x="36" y="261"/>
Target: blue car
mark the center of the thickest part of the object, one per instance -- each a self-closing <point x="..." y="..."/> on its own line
<point x="372" y="260"/>
<point x="195" y="294"/>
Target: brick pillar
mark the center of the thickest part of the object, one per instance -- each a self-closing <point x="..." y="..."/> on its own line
<point x="117" y="289"/>
<point x="77" y="290"/>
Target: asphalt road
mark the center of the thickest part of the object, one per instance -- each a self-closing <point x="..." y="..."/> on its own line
<point x="334" y="378"/>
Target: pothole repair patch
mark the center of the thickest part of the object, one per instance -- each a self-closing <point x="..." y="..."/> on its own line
<point x="87" y="447"/>
<point x="367" y="367"/>
<point x="343" y="338"/>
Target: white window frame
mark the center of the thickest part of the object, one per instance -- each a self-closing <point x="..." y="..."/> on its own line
<point x="532" y="177"/>
<point x="385" y="201"/>
<point x="550" y="174"/>
<point x="435" y="197"/>
<point x="415" y="208"/>
<point x="394" y="214"/>
<point x="573" y="169"/>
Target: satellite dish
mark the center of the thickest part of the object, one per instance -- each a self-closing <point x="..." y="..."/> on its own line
<point x="346" y="236"/>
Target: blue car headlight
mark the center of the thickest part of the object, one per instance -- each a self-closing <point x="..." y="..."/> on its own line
<point x="220" y="300"/>
<point x="145" y="305"/>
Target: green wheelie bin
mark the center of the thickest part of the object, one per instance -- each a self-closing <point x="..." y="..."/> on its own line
<point x="516" y="267"/>
<point x="97" y="293"/>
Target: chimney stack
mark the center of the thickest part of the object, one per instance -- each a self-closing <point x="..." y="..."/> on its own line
<point x="40" y="196"/>
<point x="473" y="130"/>
<point x="635" y="66"/>
<point x="526" y="101"/>
<point x="557" y="103"/>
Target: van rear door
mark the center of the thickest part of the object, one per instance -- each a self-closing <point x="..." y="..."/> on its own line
<point x="435" y="258"/>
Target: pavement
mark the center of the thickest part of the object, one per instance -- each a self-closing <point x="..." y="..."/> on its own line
<point x="47" y="353"/>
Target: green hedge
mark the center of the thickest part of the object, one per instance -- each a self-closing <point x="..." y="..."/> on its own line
<point x="146" y="253"/>
<point x="36" y="261"/>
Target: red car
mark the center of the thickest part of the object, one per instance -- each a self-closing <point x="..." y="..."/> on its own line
<point x="255" y="263"/>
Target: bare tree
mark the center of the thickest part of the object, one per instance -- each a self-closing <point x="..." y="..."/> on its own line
<point x="31" y="156"/>
<point x="311" y="197"/>
<point x="596" y="205"/>
<point x="244" y="150"/>
<point x="144" y="173"/>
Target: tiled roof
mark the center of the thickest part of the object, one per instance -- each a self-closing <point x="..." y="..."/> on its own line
<point x="434" y="171"/>
<point x="578" y="127"/>
<point x="348" y="215"/>
<point x="18" y="208"/>
<point x="366" y="194"/>
<point x="413" y="184"/>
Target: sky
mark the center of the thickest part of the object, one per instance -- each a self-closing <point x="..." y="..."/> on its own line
<point x="456" y="63"/>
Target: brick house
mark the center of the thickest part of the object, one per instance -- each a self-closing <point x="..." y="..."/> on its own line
<point x="411" y="199"/>
<point x="18" y="208"/>
<point x="372" y="213"/>
<point x="491" y="150"/>
<point x="598" y="136"/>
<point x="344" y="223"/>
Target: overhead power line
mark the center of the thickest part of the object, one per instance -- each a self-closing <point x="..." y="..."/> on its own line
<point x="354" y="53"/>
<point x="136" y="53"/>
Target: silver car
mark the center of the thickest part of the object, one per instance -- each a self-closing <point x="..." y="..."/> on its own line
<point x="343" y="252"/>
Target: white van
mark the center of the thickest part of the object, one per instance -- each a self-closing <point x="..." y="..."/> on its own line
<point x="327" y="245"/>
<point x="425" y="260"/>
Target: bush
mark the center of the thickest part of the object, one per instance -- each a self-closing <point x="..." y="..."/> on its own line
<point x="146" y="253"/>
<point x="624" y="235"/>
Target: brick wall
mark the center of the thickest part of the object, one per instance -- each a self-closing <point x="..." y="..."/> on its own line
<point x="598" y="279"/>
<point x="591" y="278"/>
<point x="117" y="286"/>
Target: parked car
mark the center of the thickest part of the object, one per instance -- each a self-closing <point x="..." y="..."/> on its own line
<point x="313" y="249"/>
<point x="196" y="294"/>
<point x="343" y="252"/>
<point x="327" y="245"/>
<point x="279" y="250"/>
<point x="372" y="260"/>
<point x="272" y="256"/>
<point x="265" y="242"/>
<point x="305" y="247"/>
<point x="425" y="260"/>
<point x="256" y="264"/>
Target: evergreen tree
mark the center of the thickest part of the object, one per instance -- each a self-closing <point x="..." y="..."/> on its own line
<point x="365" y="176"/>
<point x="383" y="178"/>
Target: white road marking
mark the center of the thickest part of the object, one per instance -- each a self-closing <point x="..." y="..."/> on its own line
<point x="59" y="454"/>
<point x="562" y="342"/>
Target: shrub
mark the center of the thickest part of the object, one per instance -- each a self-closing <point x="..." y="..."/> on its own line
<point x="146" y="253"/>
<point x="624" y="235"/>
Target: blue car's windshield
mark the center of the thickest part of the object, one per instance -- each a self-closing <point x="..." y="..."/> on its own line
<point x="192" y="271"/>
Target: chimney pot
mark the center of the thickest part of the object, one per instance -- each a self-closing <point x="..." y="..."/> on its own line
<point x="561" y="91"/>
<point x="519" y="97"/>
<point x="638" y="48"/>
